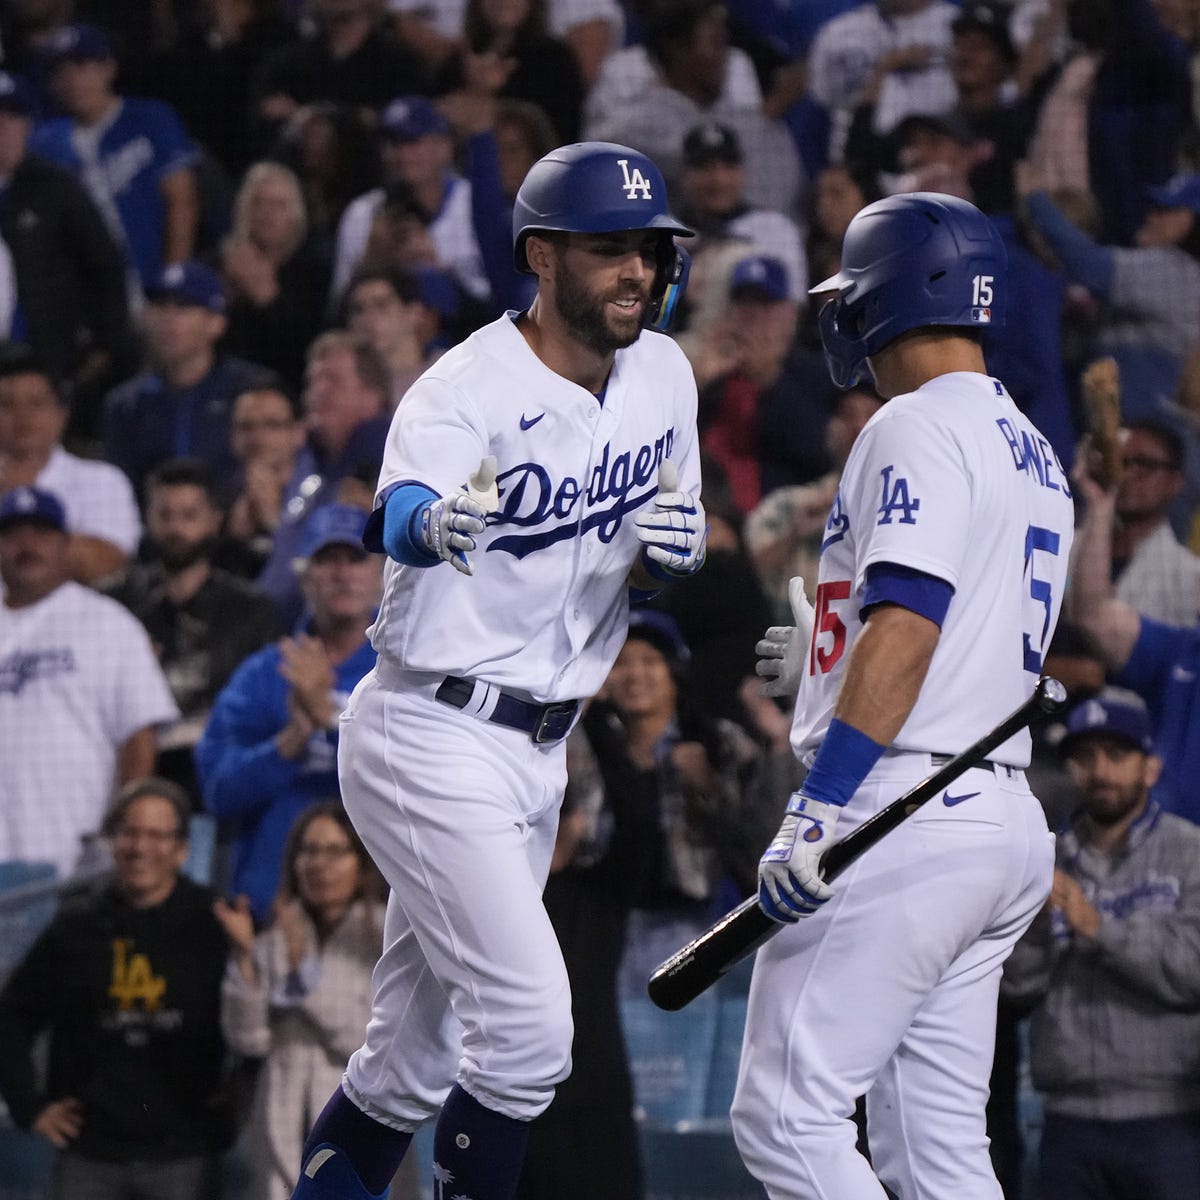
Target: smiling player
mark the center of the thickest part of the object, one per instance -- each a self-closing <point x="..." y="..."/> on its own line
<point x="551" y="459"/>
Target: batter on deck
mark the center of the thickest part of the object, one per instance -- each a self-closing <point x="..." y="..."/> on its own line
<point x="941" y="576"/>
<point x="536" y="476"/>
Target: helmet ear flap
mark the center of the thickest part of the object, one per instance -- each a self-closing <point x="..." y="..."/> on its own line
<point x="845" y="355"/>
<point x="674" y="266"/>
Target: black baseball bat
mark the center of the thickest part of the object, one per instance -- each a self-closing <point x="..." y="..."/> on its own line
<point x="689" y="971"/>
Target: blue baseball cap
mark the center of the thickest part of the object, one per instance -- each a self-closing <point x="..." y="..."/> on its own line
<point x="1116" y="714"/>
<point x="761" y="275"/>
<point x="189" y="283"/>
<point x="16" y="96"/>
<point x="409" y="117"/>
<point x="34" y="506"/>
<point x="1180" y="191"/>
<point x="437" y="290"/>
<point x="79" y="43"/>
<point x="662" y="632"/>
<point x="331" y="525"/>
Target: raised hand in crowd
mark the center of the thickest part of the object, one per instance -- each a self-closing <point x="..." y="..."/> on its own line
<point x="307" y="668"/>
<point x="260" y="504"/>
<point x="60" y="1122"/>
<point x="296" y="930"/>
<point x="238" y="922"/>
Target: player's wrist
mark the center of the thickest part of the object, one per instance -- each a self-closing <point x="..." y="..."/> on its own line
<point x="845" y="758"/>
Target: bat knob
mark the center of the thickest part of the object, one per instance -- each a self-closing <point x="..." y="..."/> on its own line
<point x="1052" y="696"/>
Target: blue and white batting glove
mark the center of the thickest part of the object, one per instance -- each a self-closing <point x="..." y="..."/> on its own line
<point x="450" y="525"/>
<point x="675" y="531"/>
<point x="783" y="650"/>
<point x="789" y="880"/>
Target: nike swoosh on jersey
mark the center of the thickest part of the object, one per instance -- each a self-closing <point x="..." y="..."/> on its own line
<point x="530" y="422"/>
<point x="950" y="801"/>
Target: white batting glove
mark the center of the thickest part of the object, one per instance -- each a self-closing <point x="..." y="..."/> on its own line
<point x="675" y="531"/>
<point x="789" y="880"/>
<point x="783" y="649"/>
<point x="450" y="525"/>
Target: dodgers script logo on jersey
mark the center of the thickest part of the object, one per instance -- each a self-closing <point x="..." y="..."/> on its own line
<point x="529" y="497"/>
<point x="23" y="667"/>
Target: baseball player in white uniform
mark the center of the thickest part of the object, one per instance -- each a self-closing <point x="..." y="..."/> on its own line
<point x="940" y="581"/>
<point x="534" y="476"/>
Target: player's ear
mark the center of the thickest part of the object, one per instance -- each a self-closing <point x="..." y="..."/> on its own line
<point x="539" y="253"/>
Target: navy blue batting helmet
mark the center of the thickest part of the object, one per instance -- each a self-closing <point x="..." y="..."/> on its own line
<point x="601" y="187"/>
<point x="909" y="262"/>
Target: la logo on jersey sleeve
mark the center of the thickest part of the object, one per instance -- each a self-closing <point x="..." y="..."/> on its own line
<point x="896" y="501"/>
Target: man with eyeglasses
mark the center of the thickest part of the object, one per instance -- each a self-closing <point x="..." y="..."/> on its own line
<point x="1159" y="661"/>
<point x="266" y="435"/>
<point x="1155" y="574"/>
<point x="127" y="984"/>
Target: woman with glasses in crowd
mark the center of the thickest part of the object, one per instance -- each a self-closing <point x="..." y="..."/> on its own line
<point x="298" y="995"/>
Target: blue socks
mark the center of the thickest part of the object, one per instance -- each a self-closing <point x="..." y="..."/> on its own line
<point x="477" y="1152"/>
<point x="374" y="1150"/>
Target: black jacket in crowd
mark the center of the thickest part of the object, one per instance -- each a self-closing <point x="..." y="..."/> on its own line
<point x="131" y="999"/>
<point x="70" y="273"/>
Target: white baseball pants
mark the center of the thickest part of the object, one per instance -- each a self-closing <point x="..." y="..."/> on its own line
<point x="460" y="815"/>
<point x="890" y="991"/>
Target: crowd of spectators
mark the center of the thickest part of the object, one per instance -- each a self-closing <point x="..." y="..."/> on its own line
<point x="233" y="233"/>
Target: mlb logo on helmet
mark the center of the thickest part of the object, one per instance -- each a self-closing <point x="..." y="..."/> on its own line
<point x="982" y="316"/>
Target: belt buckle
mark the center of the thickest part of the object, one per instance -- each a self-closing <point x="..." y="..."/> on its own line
<point x="555" y="721"/>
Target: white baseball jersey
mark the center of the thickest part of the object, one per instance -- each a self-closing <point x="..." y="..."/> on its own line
<point x="452" y="232"/>
<point x="572" y="473"/>
<point x="97" y="497"/>
<point x="951" y="480"/>
<point x="78" y="677"/>
<point x="847" y="48"/>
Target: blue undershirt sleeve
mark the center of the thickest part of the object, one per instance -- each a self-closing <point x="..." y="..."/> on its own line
<point x="919" y="592"/>
<point x="394" y="528"/>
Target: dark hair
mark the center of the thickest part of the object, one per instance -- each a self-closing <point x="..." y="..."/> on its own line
<point x="1169" y="439"/>
<point x="186" y="472"/>
<point x="267" y="380"/>
<point x="399" y="200"/>
<point x="16" y="358"/>
<point x="536" y="127"/>
<point x="139" y="789"/>
<point x="1092" y="23"/>
<point x="403" y="283"/>
<point x="861" y="175"/>
<point x="670" y="23"/>
<point x="370" y="883"/>
<point x="477" y="32"/>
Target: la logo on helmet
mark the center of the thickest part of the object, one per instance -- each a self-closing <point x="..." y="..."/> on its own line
<point x="637" y="182"/>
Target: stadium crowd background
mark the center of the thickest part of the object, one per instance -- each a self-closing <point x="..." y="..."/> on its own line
<point x="232" y="233"/>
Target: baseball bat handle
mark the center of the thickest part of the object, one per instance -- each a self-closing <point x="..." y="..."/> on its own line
<point x="697" y="966"/>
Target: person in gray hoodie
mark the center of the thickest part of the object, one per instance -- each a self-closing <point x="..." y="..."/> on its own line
<point x="1114" y="959"/>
